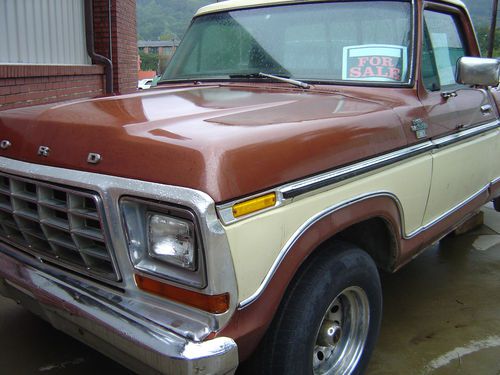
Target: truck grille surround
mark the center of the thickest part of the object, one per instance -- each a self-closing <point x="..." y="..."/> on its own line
<point x="56" y="224"/>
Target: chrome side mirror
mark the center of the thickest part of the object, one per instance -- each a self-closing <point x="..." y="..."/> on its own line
<point x="478" y="71"/>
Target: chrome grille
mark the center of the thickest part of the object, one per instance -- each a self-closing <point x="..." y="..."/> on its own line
<point x="56" y="224"/>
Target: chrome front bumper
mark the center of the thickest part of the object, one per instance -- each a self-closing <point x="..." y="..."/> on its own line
<point x="136" y="343"/>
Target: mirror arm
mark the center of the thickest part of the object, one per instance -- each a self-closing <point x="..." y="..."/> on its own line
<point x="449" y="94"/>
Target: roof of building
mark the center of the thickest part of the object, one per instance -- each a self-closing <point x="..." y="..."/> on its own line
<point x="239" y="4"/>
<point x="143" y="74"/>
<point x="157" y="43"/>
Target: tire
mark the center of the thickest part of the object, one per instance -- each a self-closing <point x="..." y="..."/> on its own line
<point x="330" y="317"/>
<point x="496" y="204"/>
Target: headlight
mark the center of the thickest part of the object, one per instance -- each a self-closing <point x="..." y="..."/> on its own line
<point x="164" y="241"/>
<point x="171" y="240"/>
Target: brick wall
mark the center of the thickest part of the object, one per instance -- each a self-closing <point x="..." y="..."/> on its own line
<point x="101" y="28"/>
<point x="26" y="85"/>
<point x="123" y="40"/>
<point x="125" y="45"/>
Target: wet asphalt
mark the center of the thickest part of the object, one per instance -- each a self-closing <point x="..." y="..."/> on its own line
<point x="442" y="310"/>
<point x="441" y="316"/>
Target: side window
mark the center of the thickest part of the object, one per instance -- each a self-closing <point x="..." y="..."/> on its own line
<point x="443" y="46"/>
<point x="429" y="70"/>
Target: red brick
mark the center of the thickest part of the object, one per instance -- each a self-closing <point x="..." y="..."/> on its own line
<point x="23" y="85"/>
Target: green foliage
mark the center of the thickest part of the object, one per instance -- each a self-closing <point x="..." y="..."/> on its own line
<point x="163" y="62"/>
<point x="482" y="36"/>
<point x="149" y="61"/>
<point x="480" y="11"/>
<point x="160" y="18"/>
<point x="168" y="19"/>
<point x="168" y="36"/>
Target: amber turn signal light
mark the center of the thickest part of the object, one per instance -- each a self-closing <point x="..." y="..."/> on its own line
<point x="215" y="304"/>
<point x="254" y="205"/>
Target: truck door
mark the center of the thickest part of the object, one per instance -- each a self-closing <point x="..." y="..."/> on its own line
<point x="461" y="119"/>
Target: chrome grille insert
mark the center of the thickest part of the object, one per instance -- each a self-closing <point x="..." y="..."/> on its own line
<point x="56" y="224"/>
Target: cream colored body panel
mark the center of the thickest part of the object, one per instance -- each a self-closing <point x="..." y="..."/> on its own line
<point x="239" y="4"/>
<point x="461" y="170"/>
<point x="495" y="157"/>
<point x="256" y="242"/>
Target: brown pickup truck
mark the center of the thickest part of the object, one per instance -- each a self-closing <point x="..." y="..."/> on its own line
<point x="242" y="209"/>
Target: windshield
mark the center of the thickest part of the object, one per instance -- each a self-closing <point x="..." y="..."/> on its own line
<point x="366" y="41"/>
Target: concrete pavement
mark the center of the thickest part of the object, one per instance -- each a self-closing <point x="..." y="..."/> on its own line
<point x="29" y="345"/>
<point x="442" y="310"/>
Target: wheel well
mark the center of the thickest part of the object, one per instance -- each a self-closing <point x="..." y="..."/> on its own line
<point x="376" y="237"/>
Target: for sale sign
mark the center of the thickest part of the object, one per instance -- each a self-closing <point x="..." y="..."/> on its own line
<point x="374" y="62"/>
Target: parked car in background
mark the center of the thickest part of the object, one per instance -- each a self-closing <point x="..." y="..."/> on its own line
<point x="144" y="84"/>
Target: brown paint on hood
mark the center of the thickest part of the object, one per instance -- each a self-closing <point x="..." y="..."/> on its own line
<point x="226" y="141"/>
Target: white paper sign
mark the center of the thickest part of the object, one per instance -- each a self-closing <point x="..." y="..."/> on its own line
<point x="374" y="62"/>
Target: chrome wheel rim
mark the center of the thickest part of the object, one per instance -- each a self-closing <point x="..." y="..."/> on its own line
<point x="342" y="334"/>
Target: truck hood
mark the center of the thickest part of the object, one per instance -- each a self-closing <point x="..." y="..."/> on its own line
<point x="227" y="141"/>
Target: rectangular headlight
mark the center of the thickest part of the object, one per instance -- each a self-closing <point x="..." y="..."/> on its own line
<point x="171" y="240"/>
<point x="164" y="241"/>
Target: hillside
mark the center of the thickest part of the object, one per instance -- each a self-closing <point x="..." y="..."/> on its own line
<point x="480" y="11"/>
<point x="481" y="16"/>
<point x="164" y="19"/>
<point x="168" y="19"/>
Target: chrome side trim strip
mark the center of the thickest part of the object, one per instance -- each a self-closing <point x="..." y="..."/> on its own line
<point x="298" y="189"/>
<point x="285" y="193"/>
<point x="325" y="179"/>
<point x="447" y="213"/>
<point x="320" y="215"/>
<point x="300" y="231"/>
<point x="329" y="178"/>
<point x="464" y="134"/>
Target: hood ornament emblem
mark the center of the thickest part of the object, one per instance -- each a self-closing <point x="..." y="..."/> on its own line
<point x="94" y="158"/>
<point x="5" y="144"/>
<point x="43" y="151"/>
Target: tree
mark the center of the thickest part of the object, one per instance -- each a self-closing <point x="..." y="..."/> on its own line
<point x="163" y="62"/>
<point x="149" y="61"/>
<point x="482" y="36"/>
<point x="158" y="17"/>
<point x="168" y="36"/>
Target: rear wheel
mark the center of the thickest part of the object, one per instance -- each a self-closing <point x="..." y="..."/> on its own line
<point x="330" y="318"/>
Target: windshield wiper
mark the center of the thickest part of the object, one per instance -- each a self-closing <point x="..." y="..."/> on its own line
<point x="272" y="76"/>
<point x="287" y="80"/>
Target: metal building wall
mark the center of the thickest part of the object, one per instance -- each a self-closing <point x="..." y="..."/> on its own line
<point x="42" y="32"/>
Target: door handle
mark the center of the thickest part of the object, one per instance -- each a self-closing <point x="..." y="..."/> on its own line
<point x="485" y="109"/>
